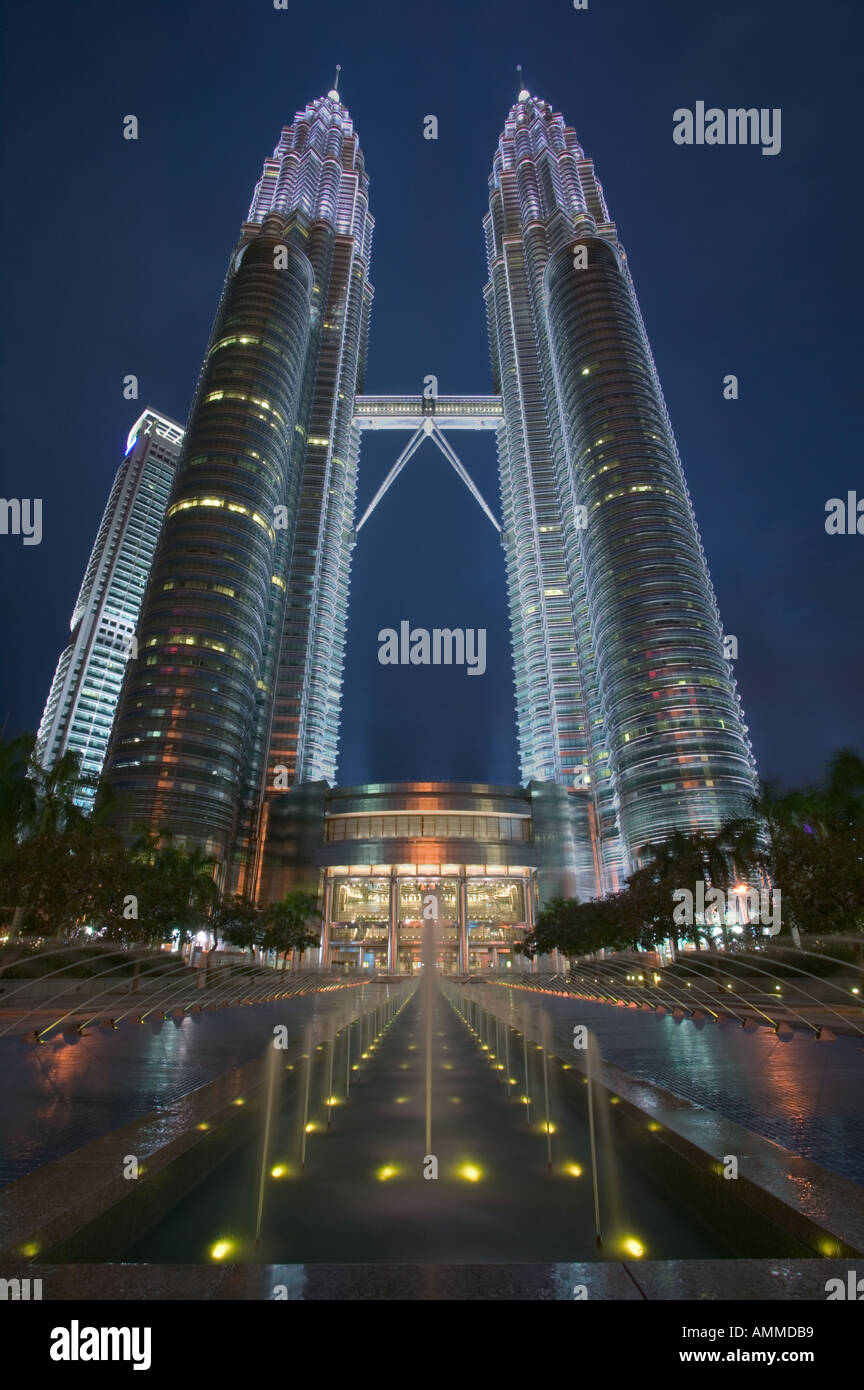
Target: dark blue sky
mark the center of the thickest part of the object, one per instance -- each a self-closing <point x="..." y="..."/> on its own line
<point x="115" y="253"/>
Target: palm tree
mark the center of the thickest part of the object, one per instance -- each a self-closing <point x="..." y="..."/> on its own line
<point x="35" y="802"/>
<point x="54" y="808"/>
<point x="844" y="788"/>
<point x="743" y="855"/>
<point x="17" y="791"/>
<point x="807" y="843"/>
<point x="177" y="887"/>
<point x="681" y="861"/>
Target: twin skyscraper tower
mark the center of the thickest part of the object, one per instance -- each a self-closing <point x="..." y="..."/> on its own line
<point x="627" y="711"/>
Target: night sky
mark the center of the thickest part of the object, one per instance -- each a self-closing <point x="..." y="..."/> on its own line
<point x="116" y="250"/>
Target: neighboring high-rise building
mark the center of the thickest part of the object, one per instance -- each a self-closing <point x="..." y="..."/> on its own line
<point x="623" y="692"/>
<point x="237" y="688"/>
<point x="83" y="698"/>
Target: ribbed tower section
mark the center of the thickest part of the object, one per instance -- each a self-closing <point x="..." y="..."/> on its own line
<point x="236" y="693"/>
<point x="317" y="176"/>
<point x="185" y="726"/>
<point x="622" y="689"/>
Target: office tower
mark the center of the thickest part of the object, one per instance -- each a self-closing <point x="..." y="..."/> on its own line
<point x="628" y="719"/>
<point x="83" y="697"/>
<point x="236" y="691"/>
<point x="623" y="693"/>
<point x="318" y="173"/>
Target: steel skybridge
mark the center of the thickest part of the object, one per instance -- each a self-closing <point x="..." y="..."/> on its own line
<point x="428" y="418"/>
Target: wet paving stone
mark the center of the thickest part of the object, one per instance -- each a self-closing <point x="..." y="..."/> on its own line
<point x="60" y="1096"/>
<point x="805" y="1095"/>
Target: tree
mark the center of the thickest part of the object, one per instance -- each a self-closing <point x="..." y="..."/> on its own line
<point x="34" y="802"/>
<point x="812" y="847"/>
<point x="644" y="910"/>
<point x="174" y="887"/>
<point x="287" y="923"/>
<point x="578" y="929"/>
<point x="61" y="880"/>
<point x="556" y="927"/>
<point x="843" y="789"/>
<point x="679" y="862"/>
<point x="17" y="791"/>
<point x="238" y="921"/>
<point x="54" y="807"/>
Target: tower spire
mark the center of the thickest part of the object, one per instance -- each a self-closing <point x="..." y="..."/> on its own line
<point x="334" y="91"/>
<point x="524" y="94"/>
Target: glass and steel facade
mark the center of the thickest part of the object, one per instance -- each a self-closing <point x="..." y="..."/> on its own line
<point x="318" y="172"/>
<point x="679" y="754"/>
<point x="398" y="860"/>
<point x="237" y="688"/>
<point x="182" y="738"/>
<point x="82" y="701"/>
<point x="485" y="856"/>
<point x="628" y="719"/>
<point x="622" y="689"/>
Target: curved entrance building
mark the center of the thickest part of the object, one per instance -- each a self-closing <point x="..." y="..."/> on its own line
<point x="387" y="858"/>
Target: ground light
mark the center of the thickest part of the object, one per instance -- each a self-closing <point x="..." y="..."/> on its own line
<point x="221" y="1249"/>
<point x="278" y="1171"/>
<point x="573" y="1170"/>
<point x="388" y="1171"/>
<point x="633" y="1247"/>
<point x="470" y="1172"/>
